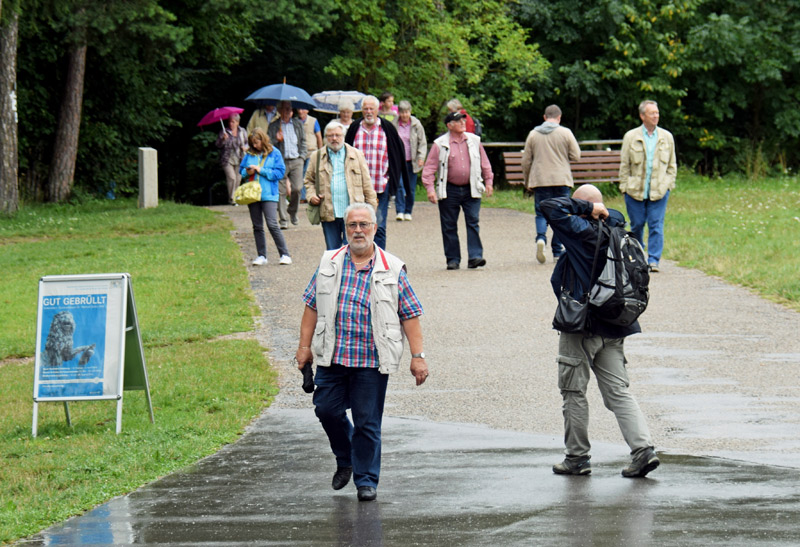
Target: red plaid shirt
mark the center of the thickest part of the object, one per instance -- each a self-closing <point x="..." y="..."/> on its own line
<point x="373" y="144"/>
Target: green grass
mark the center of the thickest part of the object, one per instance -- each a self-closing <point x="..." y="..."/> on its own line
<point x="746" y="232"/>
<point x="190" y="289"/>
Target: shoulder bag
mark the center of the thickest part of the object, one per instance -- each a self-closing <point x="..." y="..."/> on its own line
<point x="249" y="192"/>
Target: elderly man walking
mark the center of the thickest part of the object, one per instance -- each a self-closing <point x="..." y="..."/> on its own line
<point x="340" y="171"/>
<point x="288" y="134"/>
<point x="356" y="305"/>
<point x="416" y="146"/>
<point x="602" y="349"/>
<point x="456" y="175"/>
<point x="381" y="145"/>
<point x="647" y="172"/>
<point x="545" y="164"/>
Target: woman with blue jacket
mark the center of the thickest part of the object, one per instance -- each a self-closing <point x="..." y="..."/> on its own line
<point x="264" y="163"/>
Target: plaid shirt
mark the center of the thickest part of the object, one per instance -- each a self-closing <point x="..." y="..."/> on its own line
<point x="375" y="148"/>
<point x="355" y="346"/>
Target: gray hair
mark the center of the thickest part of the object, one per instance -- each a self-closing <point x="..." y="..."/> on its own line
<point x="644" y="104"/>
<point x="371" y="98"/>
<point x="454" y="105"/>
<point x="234" y="117"/>
<point x="333" y="124"/>
<point x="404" y="105"/>
<point x="552" y="111"/>
<point x="346" y="104"/>
<point x="361" y="207"/>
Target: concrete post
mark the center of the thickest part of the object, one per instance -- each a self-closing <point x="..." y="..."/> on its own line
<point x="148" y="178"/>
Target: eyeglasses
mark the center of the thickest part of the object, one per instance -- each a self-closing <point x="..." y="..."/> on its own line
<point x="363" y="225"/>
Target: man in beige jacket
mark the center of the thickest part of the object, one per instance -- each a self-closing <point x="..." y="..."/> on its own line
<point x="545" y="164"/>
<point x="342" y="175"/>
<point x="647" y="173"/>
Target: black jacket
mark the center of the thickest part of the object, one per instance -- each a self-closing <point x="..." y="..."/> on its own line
<point x="579" y="236"/>
<point x="398" y="167"/>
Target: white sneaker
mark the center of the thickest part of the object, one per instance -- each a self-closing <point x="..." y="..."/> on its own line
<point x="260" y="261"/>
<point x="407" y="216"/>
<point x="285" y="260"/>
<point x="540" y="251"/>
<point x="399" y="217"/>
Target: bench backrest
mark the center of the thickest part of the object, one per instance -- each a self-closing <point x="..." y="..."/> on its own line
<point x="593" y="167"/>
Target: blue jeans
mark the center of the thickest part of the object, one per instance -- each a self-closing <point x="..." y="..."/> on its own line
<point x="266" y="210"/>
<point x="652" y="213"/>
<point x="383" y="210"/>
<point x="356" y="444"/>
<point x="539" y="195"/>
<point x="334" y="232"/>
<point x="460" y="197"/>
<point x="403" y="201"/>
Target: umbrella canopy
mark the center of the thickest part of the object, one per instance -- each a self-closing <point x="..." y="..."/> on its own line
<point x="328" y="101"/>
<point x="219" y="114"/>
<point x="274" y="93"/>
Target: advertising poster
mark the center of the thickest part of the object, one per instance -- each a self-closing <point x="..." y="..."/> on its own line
<point x="79" y="337"/>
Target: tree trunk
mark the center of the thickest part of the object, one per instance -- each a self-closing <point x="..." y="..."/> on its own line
<point x="65" y="152"/>
<point x="9" y="189"/>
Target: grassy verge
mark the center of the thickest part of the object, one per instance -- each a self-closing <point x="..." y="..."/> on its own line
<point x="190" y="289"/>
<point x="746" y="232"/>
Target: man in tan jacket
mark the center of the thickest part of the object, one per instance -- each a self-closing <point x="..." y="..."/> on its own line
<point x="545" y="164"/>
<point x="341" y="173"/>
<point x="647" y="173"/>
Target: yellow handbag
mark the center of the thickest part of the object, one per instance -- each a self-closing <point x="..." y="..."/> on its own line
<point x="249" y="192"/>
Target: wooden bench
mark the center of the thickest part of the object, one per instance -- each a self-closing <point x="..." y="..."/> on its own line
<point x="593" y="167"/>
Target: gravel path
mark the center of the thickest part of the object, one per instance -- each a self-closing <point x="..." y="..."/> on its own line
<point x="715" y="371"/>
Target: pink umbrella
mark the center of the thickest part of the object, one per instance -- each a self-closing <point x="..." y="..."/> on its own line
<point x="219" y="114"/>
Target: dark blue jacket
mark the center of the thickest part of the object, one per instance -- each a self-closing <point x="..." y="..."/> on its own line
<point x="579" y="237"/>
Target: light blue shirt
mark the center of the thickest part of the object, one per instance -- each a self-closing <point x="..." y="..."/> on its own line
<point x="339" y="194"/>
<point x="289" y="141"/>
<point x="649" y="151"/>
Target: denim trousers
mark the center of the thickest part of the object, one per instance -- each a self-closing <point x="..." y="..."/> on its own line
<point x="268" y="210"/>
<point x="651" y="213"/>
<point x="539" y="195"/>
<point x="356" y="444"/>
<point x="458" y="198"/>
<point x="577" y="355"/>
<point x="335" y="234"/>
<point x="383" y="210"/>
<point x="403" y="202"/>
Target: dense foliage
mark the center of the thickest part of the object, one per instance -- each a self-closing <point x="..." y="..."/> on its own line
<point x="725" y="74"/>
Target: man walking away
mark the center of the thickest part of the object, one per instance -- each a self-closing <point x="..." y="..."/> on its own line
<point x="602" y="349"/>
<point x="545" y="165"/>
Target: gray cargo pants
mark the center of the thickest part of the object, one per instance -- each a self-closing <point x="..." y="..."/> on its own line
<point x="606" y="357"/>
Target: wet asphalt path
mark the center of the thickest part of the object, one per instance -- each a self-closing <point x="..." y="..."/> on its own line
<point x="467" y="456"/>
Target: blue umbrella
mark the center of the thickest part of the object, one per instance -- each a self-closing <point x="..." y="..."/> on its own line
<point x="328" y="101"/>
<point x="272" y="94"/>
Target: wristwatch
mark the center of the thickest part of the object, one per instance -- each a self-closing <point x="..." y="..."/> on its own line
<point x="420" y="355"/>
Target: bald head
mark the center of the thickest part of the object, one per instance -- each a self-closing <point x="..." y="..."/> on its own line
<point x="588" y="192"/>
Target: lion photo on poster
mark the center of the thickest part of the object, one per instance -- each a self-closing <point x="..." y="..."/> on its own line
<point x="73" y="345"/>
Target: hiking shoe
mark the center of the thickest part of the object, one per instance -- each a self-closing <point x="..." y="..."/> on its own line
<point x="540" y="251"/>
<point x="294" y="220"/>
<point x="572" y="467"/>
<point x="285" y="260"/>
<point x="283" y="225"/>
<point x="653" y="267"/>
<point x="642" y="464"/>
<point x="260" y="261"/>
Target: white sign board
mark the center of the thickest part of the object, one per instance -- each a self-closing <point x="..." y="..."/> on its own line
<point x="84" y="322"/>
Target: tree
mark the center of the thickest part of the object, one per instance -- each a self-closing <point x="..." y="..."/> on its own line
<point x="9" y="193"/>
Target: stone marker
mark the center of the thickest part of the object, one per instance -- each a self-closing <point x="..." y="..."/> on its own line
<point x="148" y="178"/>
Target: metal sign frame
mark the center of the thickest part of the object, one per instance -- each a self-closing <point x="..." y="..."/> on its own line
<point x="88" y="342"/>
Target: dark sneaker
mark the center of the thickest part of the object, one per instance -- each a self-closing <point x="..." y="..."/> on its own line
<point x="573" y="467"/>
<point x="341" y="477"/>
<point x="642" y="464"/>
<point x="452" y="265"/>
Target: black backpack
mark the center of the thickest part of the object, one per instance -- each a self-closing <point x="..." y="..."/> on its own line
<point x="621" y="293"/>
<point x="478" y="127"/>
